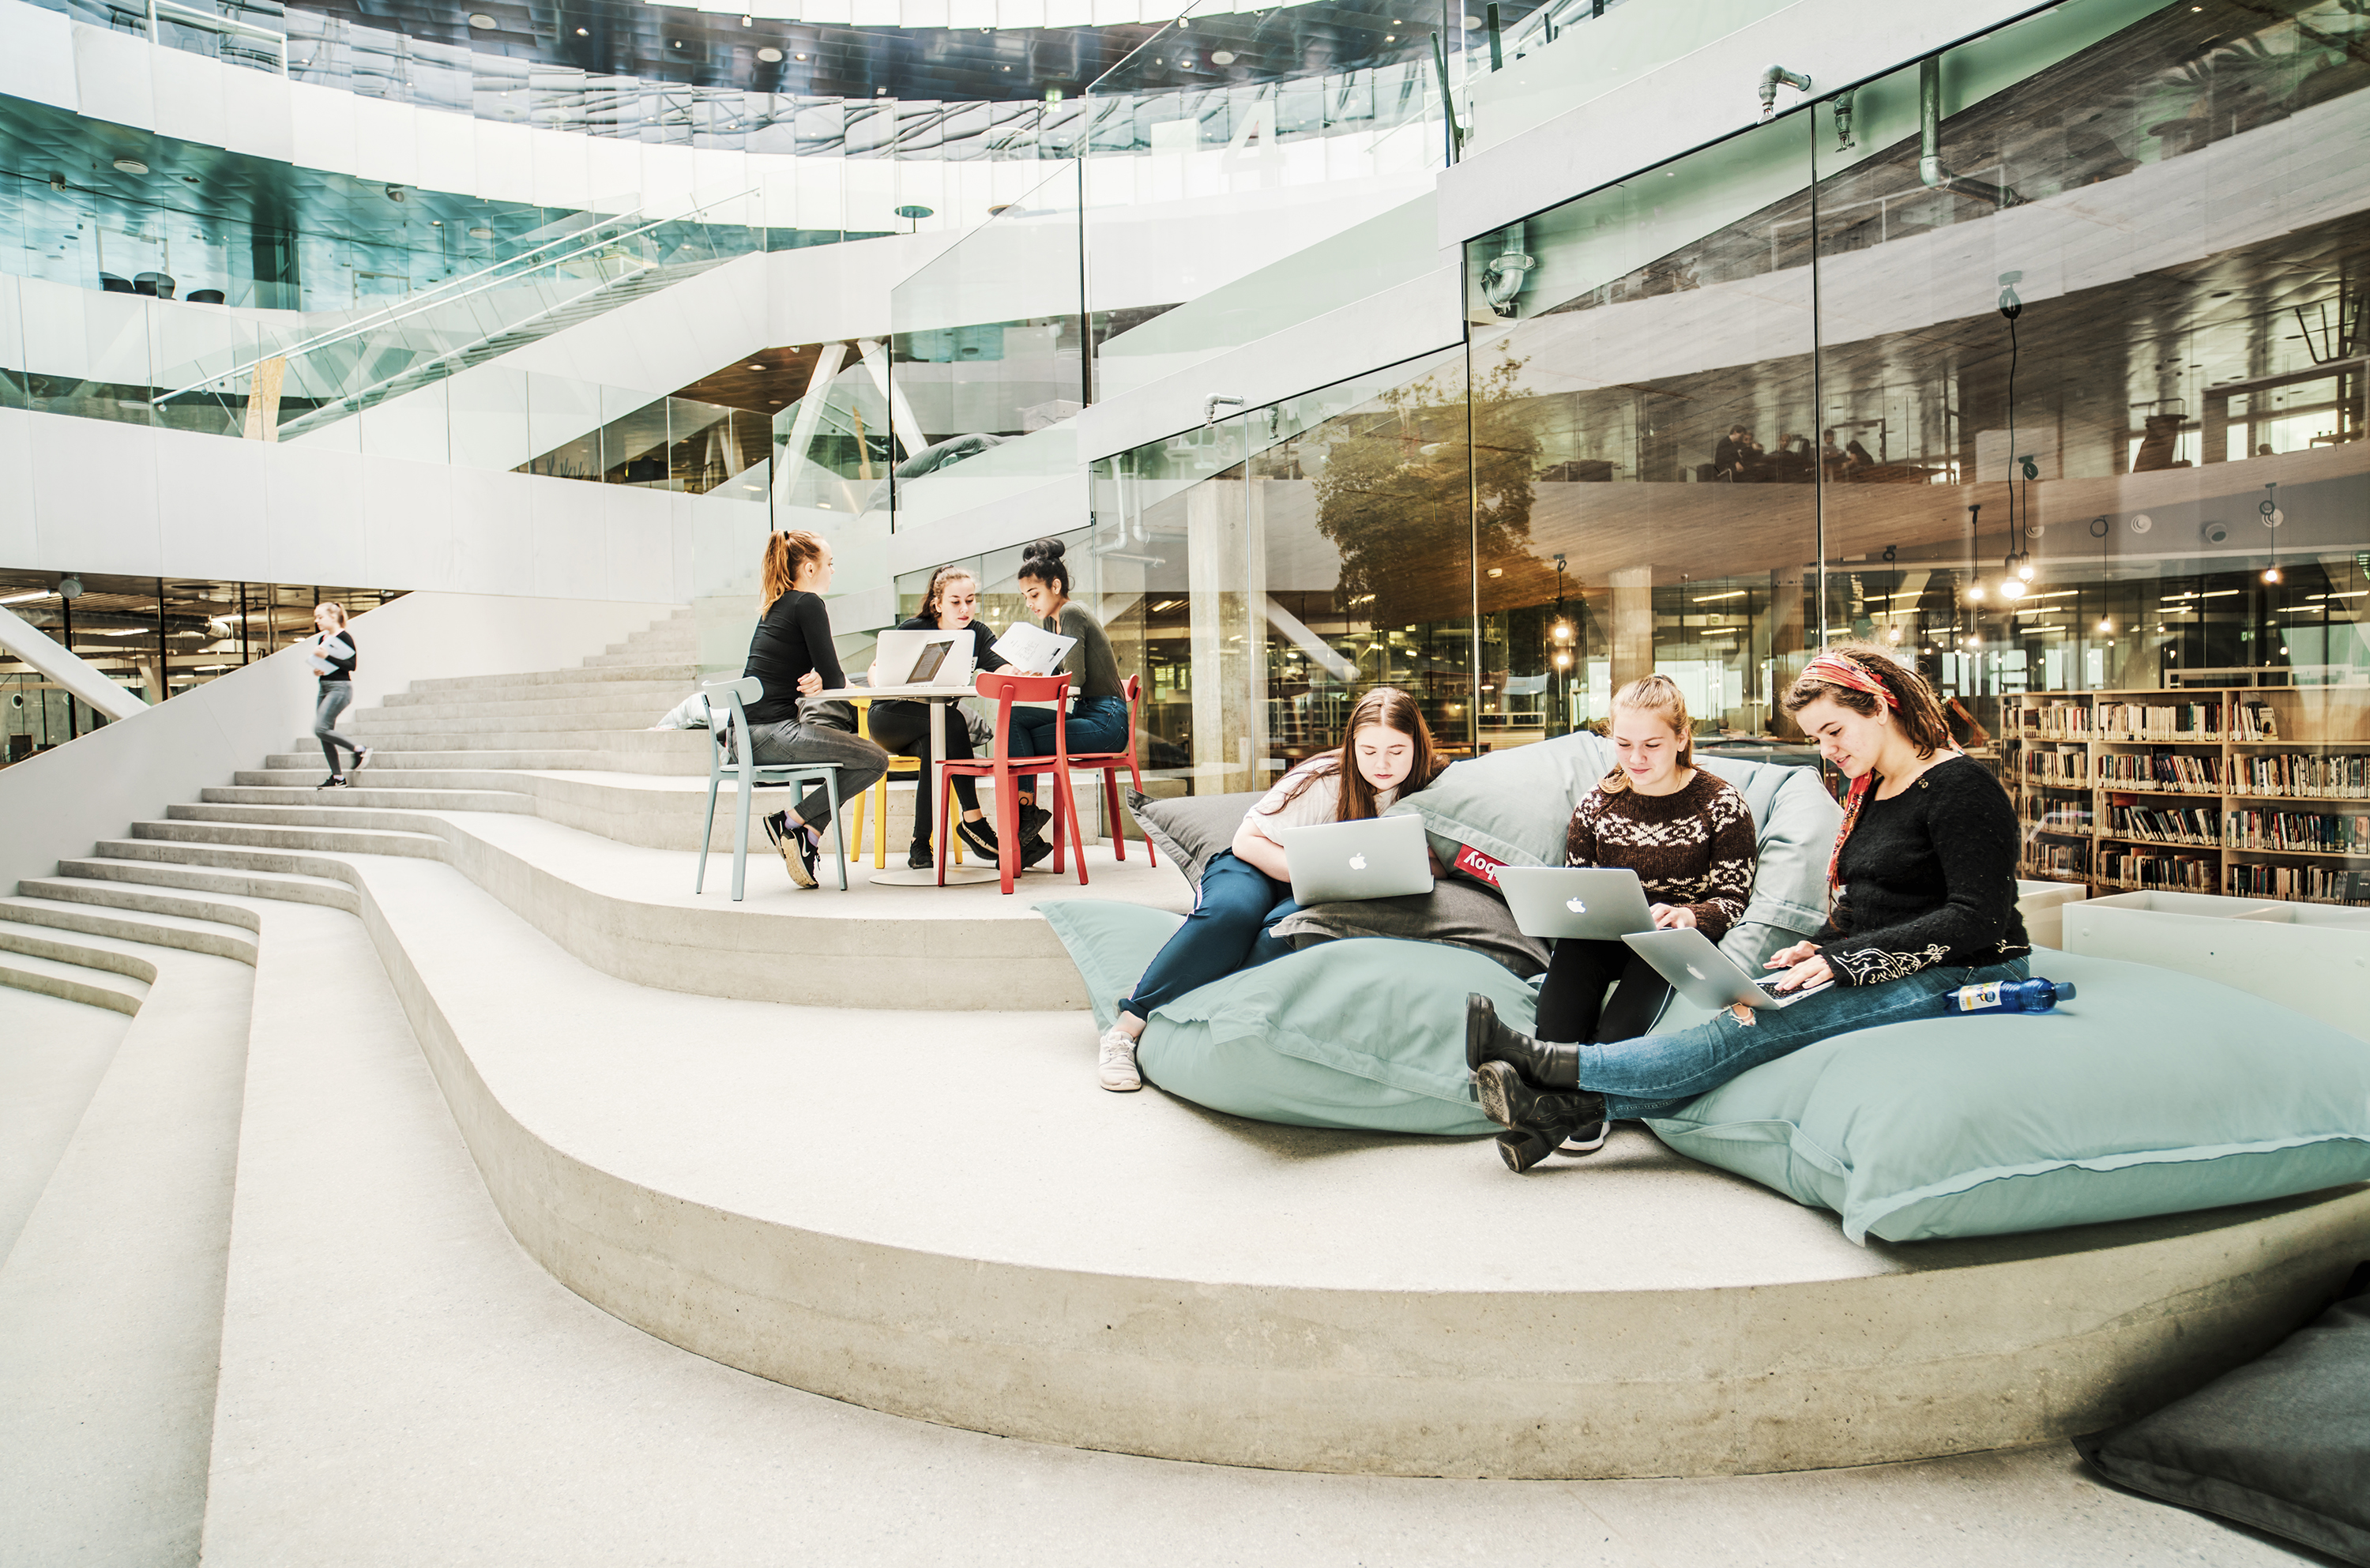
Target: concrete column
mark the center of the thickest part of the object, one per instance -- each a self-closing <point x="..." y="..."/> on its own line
<point x="1633" y="624"/>
<point x="1227" y="584"/>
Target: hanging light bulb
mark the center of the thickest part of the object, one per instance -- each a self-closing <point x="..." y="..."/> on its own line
<point x="2025" y="571"/>
<point x="2271" y="574"/>
<point x="1562" y="631"/>
<point x="1562" y="659"/>
<point x="2012" y="588"/>
<point x="1975" y="593"/>
<point x="2106" y="626"/>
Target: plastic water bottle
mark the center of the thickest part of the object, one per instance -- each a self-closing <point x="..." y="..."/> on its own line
<point x="2032" y="996"/>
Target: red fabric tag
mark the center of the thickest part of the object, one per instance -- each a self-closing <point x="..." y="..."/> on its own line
<point x="1474" y="863"/>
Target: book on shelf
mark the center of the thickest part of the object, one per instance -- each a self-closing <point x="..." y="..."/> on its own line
<point x="2314" y="884"/>
<point x="2193" y="824"/>
<point x="2162" y="722"/>
<point x="2183" y="771"/>
<point x="2253" y="722"/>
<point x="2058" y="765"/>
<point x="2185" y="873"/>
<point x="2314" y="833"/>
<point x="2343" y="775"/>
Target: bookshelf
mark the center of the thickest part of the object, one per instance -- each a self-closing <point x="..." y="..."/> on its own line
<point x="2259" y="791"/>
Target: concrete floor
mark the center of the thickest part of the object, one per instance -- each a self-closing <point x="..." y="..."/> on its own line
<point x="402" y="1384"/>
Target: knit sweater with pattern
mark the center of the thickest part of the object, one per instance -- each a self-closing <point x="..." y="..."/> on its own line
<point x="1694" y="846"/>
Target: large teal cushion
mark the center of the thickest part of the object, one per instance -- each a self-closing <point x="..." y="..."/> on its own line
<point x="2152" y="1092"/>
<point x="1362" y="1032"/>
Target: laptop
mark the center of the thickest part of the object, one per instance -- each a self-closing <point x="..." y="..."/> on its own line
<point x="1591" y="903"/>
<point x="1706" y="976"/>
<point x="912" y="658"/>
<point x="1379" y="857"/>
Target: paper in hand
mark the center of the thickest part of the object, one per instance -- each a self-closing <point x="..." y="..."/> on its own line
<point x="1033" y="649"/>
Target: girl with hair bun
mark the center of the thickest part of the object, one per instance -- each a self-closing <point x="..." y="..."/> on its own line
<point x="792" y="654"/>
<point x="1923" y="901"/>
<point x="1098" y="717"/>
<point x="1689" y="838"/>
<point x="903" y="728"/>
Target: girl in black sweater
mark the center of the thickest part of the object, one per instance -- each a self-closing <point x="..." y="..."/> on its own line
<point x="1922" y="881"/>
<point x="792" y="652"/>
<point x="903" y="728"/>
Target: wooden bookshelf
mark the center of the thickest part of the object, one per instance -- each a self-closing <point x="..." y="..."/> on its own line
<point x="2282" y="773"/>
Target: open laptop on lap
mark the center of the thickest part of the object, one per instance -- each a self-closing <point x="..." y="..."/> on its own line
<point x="1379" y="857"/>
<point x="1587" y="903"/>
<point x="1706" y="976"/>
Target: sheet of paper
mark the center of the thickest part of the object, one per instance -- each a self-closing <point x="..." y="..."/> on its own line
<point x="1034" y="649"/>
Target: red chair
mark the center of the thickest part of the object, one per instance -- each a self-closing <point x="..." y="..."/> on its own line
<point x="1109" y="763"/>
<point x="1006" y="771"/>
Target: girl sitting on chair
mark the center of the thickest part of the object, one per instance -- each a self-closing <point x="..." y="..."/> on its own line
<point x="1098" y="717"/>
<point x="1246" y="888"/>
<point x="902" y="729"/>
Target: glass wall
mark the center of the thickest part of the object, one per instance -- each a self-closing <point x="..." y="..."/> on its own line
<point x="2042" y="363"/>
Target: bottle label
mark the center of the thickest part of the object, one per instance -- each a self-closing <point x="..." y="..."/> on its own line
<point x="1976" y="998"/>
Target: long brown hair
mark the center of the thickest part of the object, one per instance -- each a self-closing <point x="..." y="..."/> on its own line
<point x="1392" y="709"/>
<point x="1914" y="707"/>
<point x="786" y="555"/>
<point x="938" y="589"/>
<point x="1660" y="695"/>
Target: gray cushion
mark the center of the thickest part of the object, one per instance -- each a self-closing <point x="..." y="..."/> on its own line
<point x="2282" y="1444"/>
<point x="1189" y="829"/>
<point x="1457" y="912"/>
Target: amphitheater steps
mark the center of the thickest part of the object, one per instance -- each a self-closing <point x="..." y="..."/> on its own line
<point x="24" y="967"/>
<point x="136" y="874"/>
<point x="682" y="672"/>
<point x="39" y="905"/>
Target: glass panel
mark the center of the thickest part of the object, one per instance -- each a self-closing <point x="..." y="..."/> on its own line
<point x="1643" y="381"/>
<point x="2096" y="388"/>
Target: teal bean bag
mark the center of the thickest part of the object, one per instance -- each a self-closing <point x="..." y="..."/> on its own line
<point x="1346" y="1033"/>
<point x="2152" y="1092"/>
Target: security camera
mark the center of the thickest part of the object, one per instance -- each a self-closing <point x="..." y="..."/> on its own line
<point x="395" y="192"/>
<point x="2216" y="533"/>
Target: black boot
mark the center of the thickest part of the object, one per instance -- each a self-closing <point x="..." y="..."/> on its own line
<point x="1510" y="1102"/>
<point x="1547" y="1064"/>
<point x="1523" y="1150"/>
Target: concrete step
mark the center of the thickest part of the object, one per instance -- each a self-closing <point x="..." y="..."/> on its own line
<point x="365" y="793"/>
<point x="329" y="837"/>
<point x="150" y="869"/>
<point x="545" y="698"/>
<point x="65" y="979"/>
<point x="153" y="928"/>
<point x="165" y="851"/>
<point x="504" y="737"/>
<point x="389" y="759"/>
<point x="237" y="919"/>
<point x="684" y="671"/>
<point x="396" y="723"/>
<point x="634" y="658"/>
<point x="111" y="1300"/>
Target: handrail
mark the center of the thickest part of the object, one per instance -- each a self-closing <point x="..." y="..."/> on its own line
<point x="445" y="292"/>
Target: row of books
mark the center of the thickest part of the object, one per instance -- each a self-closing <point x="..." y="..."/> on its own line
<point x="2300" y="773"/>
<point x="2320" y="884"/>
<point x="2057" y="857"/>
<point x="2057" y="718"/>
<point x="2162" y="770"/>
<point x="2253" y="722"/>
<point x="2057" y="765"/>
<point x="2192" y="825"/>
<point x="2314" y="831"/>
<point x="2187" y="873"/>
<point x="2161" y="721"/>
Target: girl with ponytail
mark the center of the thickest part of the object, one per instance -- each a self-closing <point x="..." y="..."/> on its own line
<point x="1922" y="887"/>
<point x="792" y="652"/>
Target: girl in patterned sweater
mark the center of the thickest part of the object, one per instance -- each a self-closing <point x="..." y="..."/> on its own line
<point x="1689" y="838"/>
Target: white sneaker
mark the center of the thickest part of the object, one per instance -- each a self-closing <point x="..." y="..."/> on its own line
<point x="1115" y="1061"/>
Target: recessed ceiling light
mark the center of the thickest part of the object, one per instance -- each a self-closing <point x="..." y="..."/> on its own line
<point x="778" y="54"/>
<point x="480" y="21"/>
<point x="678" y="43"/>
<point x="756" y="367"/>
<point x="435" y="223"/>
<point x="583" y="33"/>
<point x="1221" y="57"/>
<point x="481" y="234"/>
<point x="772" y="56"/>
<point x="130" y="165"/>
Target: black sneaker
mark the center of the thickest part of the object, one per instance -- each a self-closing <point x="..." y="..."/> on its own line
<point x="1033" y="851"/>
<point x="334" y="781"/>
<point x="1033" y="822"/>
<point x="919" y="858"/>
<point x="362" y="759"/>
<point x="798" y="856"/>
<point x="1586" y="1139"/>
<point x="775" y="825"/>
<point x="979" y="839"/>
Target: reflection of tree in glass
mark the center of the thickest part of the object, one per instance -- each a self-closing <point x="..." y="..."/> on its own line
<point x="1395" y="494"/>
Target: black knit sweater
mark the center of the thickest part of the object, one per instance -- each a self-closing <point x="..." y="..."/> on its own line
<point x="1928" y="877"/>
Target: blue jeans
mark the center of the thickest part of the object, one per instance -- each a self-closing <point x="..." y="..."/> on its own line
<point x="1096" y="724"/>
<point x="1228" y="931"/>
<point x="1652" y="1074"/>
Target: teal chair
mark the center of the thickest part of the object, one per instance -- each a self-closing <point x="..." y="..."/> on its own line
<point x="747" y="775"/>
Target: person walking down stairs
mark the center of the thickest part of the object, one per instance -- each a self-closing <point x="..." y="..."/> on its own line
<point x="791" y="654"/>
<point x="335" y="656"/>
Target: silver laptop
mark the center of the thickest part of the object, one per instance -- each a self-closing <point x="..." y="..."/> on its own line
<point x="1595" y="903"/>
<point x="1709" y="977"/>
<point x="913" y="658"/>
<point x="1379" y="857"/>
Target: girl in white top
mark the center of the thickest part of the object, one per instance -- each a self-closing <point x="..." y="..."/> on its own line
<point x="1246" y="888"/>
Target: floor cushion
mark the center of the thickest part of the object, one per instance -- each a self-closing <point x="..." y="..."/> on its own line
<point x="2152" y="1092"/>
<point x="1344" y="1034"/>
<point x="2282" y="1444"/>
<point x="1190" y="829"/>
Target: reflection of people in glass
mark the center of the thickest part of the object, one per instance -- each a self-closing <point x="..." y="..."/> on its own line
<point x="1732" y="456"/>
<point x="1098" y="717"/>
<point x="1689" y="838"/>
<point x="1246" y="888"/>
<point x="902" y="729"/>
<point x="1924" y="883"/>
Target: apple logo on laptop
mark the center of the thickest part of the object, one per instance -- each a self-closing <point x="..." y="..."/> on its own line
<point x="1575" y="905"/>
<point x="1697" y="972"/>
<point x="1357" y="862"/>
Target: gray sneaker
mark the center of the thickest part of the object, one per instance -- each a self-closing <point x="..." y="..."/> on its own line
<point x="1115" y="1061"/>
